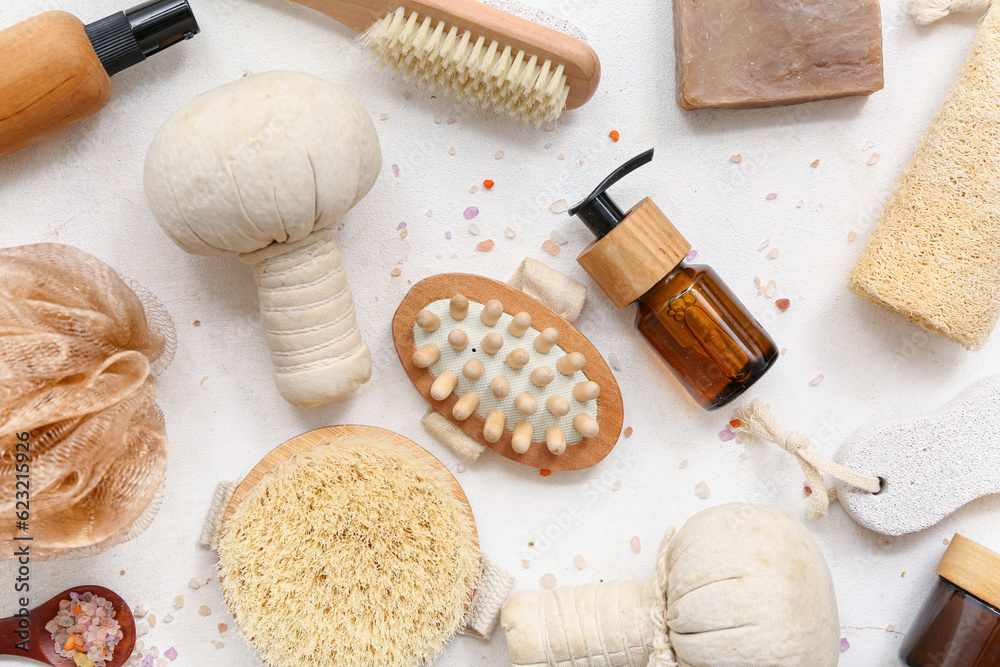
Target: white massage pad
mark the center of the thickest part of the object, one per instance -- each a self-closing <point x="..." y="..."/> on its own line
<point x="930" y="465"/>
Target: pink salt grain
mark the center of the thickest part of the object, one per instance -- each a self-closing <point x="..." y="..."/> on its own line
<point x="844" y="644"/>
<point x="397" y="272"/>
<point x="170" y="654"/>
<point x="471" y="212"/>
<point x="447" y="235"/>
<point x="816" y="380"/>
<point x="551" y="247"/>
<point x="691" y="255"/>
<point x="395" y="170"/>
<point x="636" y="546"/>
<point x="772" y="195"/>
<point x="485" y="246"/>
<point x="726" y="435"/>
<point x="400" y="226"/>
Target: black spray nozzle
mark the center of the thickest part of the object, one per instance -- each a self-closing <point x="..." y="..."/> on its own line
<point x="127" y="38"/>
<point x="598" y="211"/>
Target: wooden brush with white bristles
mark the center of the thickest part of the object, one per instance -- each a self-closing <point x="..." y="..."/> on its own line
<point x="474" y="52"/>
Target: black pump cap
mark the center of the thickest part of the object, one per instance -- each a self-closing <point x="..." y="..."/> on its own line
<point x="598" y="211"/>
<point x="127" y="38"/>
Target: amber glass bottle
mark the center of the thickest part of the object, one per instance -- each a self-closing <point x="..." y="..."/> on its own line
<point x="713" y="345"/>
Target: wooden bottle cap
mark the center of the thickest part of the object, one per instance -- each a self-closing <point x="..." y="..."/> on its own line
<point x="636" y="254"/>
<point x="973" y="568"/>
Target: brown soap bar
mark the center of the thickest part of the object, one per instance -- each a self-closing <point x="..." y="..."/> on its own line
<point x="761" y="53"/>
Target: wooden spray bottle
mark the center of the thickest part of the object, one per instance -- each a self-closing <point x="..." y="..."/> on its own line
<point x="55" y="71"/>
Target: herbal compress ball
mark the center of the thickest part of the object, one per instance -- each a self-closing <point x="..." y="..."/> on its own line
<point x="264" y="168"/>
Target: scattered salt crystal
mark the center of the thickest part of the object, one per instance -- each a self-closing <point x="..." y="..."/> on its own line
<point x="222" y="628"/>
<point x="179" y="601"/>
<point x="451" y="151"/>
<point x="559" y="206"/>
<point x="683" y="464"/>
<point x="217" y="644"/>
<point x="628" y="431"/>
<point x="168" y="618"/>
<point x="869" y="144"/>
<point x="407" y="95"/>
<point x="460" y="468"/>
<point x="485" y="246"/>
<point x="151" y="618"/>
<point x="548" y="144"/>
<point x="763" y="244"/>
<point x="873" y="160"/>
<point x="579" y="562"/>
<point x="438" y="118"/>
<point x="771" y="196"/>
<point x="526" y="564"/>
<point x="140" y="611"/>
<point x="617" y="485"/>
<point x="510" y="233"/>
<point x="816" y="380"/>
<point x="395" y="170"/>
<point x="782" y="304"/>
<point x="613" y="360"/>
<point x="141" y="628"/>
<point x="771" y="289"/>
<point x="403" y="234"/>
<point x="499" y="155"/>
<point x="784" y="351"/>
<point x="562" y="157"/>
<point x="726" y="435"/>
<point x="890" y="628"/>
<point x="383" y="116"/>
<point x="439" y="256"/>
<point x="170" y="653"/>
<point x="194" y="584"/>
<point x="549" y="125"/>
<point x="551" y="248"/>
<point x="470" y="212"/>
<point x="844" y="644"/>
<point x="447" y="235"/>
<point x="635" y="544"/>
<point x="800" y="204"/>
<point x="204" y="611"/>
<point x="474" y="189"/>
<point x="773" y="254"/>
<point x="945" y="541"/>
<point x="581" y="162"/>
<point x="397" y="272"/>
<point x="691" y="255"/>
<point x="556" y="237"/>
<point x="548" y="582"/>
<point x="814" y="163"/>
<point x="851" y="236"/>
<point x="474" y="229"/>
<point x="401" y="225"/>
<point x="454" y="255"/>
<point x="161" y="662"/>
<point x="148" y="661"/>
<point x="701" y="489"/>
<point x="429" y="213"/>
<point x="736" y="159"/>
<point x="451" y="120"/>
<point x="744" y="456"/>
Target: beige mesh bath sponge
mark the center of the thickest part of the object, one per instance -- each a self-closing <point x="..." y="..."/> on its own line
<point x="934" y="256"/>
<point x="78" y="348"/>
<point x="264" y="168"/>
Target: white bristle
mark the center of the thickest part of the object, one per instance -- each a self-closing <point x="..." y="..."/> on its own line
<point x="466" y="66"/>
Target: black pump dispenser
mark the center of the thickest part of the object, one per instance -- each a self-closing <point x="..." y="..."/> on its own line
<point x="598" y="211"/>
<point x="127" y="38"/>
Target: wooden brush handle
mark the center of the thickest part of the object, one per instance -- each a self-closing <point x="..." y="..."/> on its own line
<point x="50" y="79"/>
<point x="582" y="66"/>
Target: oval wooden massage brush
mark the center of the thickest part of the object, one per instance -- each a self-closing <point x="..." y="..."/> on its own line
<point x="42" y="649"/>
<point x="508" y="371"/>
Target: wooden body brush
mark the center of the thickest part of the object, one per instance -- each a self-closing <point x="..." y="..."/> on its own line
<point x="475" y="52"/>
<point x="508" y="371"/>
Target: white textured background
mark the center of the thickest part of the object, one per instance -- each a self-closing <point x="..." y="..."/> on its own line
<point x="84" y="188"/>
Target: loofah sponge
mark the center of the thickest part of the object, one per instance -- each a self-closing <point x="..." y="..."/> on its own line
<point x="933" y="255"/>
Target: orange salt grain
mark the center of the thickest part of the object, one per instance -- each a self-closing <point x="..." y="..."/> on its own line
<point x="614" y="135"/>
<point x="735" y="423"/>
<point x="783" y="304"/>
<point x="544" y="473"/>
<point x="485" y="246"/>
<point x="488" y="184"/>
<point x="628" y="432"/>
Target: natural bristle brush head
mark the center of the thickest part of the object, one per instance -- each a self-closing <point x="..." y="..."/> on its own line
<point x="508" y="371"/>
<point x="486" y="56"/>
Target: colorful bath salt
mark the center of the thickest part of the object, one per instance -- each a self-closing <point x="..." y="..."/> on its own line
<point x="85" y="630"/>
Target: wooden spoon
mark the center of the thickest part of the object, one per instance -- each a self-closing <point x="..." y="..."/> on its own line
<point x="42" y="649"/>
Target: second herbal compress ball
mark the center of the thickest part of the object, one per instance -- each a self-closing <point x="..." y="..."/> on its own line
<point x="264" y="168"/>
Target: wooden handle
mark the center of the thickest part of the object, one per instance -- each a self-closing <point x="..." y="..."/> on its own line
<point x="582" y="66"/>
<point x="51" y="78"/>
